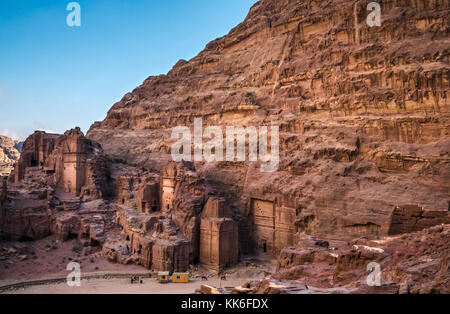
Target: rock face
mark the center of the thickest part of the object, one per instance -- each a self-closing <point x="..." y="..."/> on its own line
<point x="188" y="223"/>
<point x="3" y="190"/>
<point x="35" y="151"/>
<point x="150" y="240"/>
<point x="218" y="236"/>
<point x="413" y="263"/>
<point x="51" y="186"/>
<point x="78" y="164"/>
<point x="9" y="154"/>
<point x="185" y="202"/>
<point x="363" y="115"/>
<point x="412" y="218"/>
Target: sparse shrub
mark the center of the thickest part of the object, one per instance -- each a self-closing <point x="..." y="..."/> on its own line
<point x="118" y="161"/>
<point x="76" y="248"/>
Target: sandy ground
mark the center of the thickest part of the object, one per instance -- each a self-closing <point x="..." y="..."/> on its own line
<point x="48" y="258"/>
<point x="123" y="286"/>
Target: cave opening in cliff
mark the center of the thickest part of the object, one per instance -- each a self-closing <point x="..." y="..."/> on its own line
<point x="94" y="243"/>
<point x="264" y="246"/>
<point x="72" y="236"/>
<point x="34" y="163"/>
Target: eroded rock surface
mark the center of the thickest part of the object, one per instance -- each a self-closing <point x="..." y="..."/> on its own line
<point x="51" y="186"/>
<point x="9" y="154"/>
<point x="413" y="263"/>
<point x="363" y="115"/>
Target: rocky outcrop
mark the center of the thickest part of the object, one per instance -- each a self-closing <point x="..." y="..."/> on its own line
<point x="363" y="114"/>
<point x="413" y="263"/>
<point x="35" y="151"/>
<point x="412" y="218"/>
<point x="363" y="118"/>
<point x="54" y="179"/>
<point x="183" y="196"/>
<point x="24" y="214"/>
<point x="218" y="236"/>
<point x="150" y="240"/>
<point x="77" y="164"/>
<point x="3" y="190"/>
<point x="9" y="154"/>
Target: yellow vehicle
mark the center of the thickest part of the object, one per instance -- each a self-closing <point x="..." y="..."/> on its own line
<point x="180" y="277"/>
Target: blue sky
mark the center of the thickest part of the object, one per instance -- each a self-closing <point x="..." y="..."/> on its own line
<point x="54" y="77"/>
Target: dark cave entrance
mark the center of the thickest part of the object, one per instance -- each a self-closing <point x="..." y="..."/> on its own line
<point x="72" y="236"/>
<point x="94" y="243"/>
<point x="26" y="239"/>
<point x="264" y="246"/>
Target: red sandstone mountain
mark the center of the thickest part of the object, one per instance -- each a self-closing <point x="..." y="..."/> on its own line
<point x="9" y="154"/>
<point x="364" y="153"/>
<point x="363" y="112"/>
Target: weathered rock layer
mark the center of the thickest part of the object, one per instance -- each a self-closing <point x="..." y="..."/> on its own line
<point x="9" y="154"/>
<point x="363" y="115"/>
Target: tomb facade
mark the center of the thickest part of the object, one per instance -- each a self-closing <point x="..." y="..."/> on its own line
<point x="273" y="225"/>
<point x="218" y="236"/>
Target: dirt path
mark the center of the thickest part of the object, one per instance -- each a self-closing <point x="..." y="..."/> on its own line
<point x="123" y="286"/>
<point x="25" y="261"/>
<point x="48" y="258"/>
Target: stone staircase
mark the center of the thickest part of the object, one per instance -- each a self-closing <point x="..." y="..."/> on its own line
<point x="71" y="204"/>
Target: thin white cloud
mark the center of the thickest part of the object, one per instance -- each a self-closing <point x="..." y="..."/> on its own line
<point x="39" y="126"/>
<point x="15" y="135"/>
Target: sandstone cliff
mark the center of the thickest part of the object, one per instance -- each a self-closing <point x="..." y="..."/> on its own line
<point x="364" y="127"/>
<point x="413" y="263"/>
<point x="363" y="115"/>
<point x="9" y="154"/>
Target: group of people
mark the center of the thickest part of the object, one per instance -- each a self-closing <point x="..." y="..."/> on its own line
<point x="136" y="279"/>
